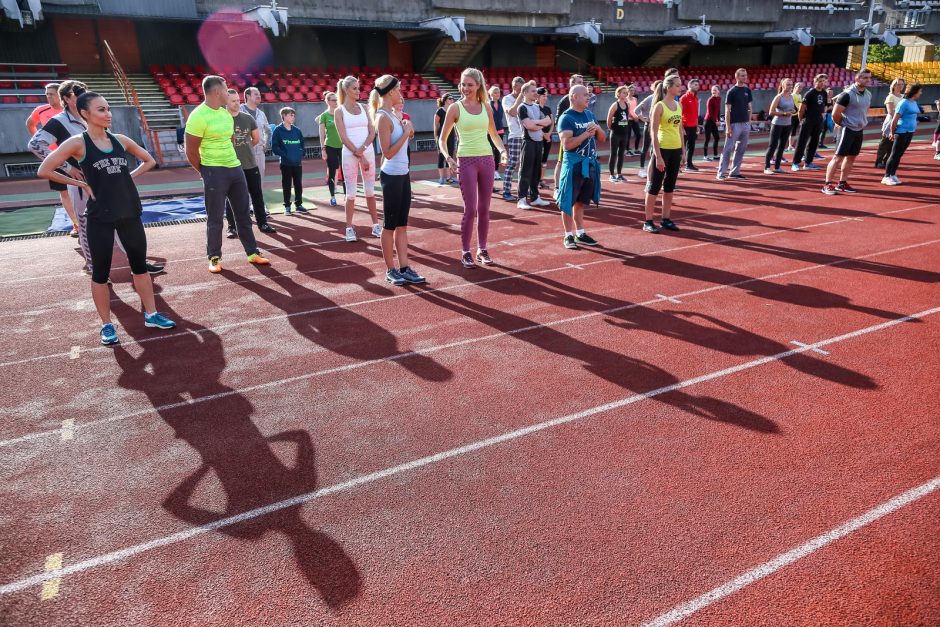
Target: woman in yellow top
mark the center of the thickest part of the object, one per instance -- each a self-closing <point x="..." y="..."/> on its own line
<point x="473" y="117"/>
<point x="665" y="125"/>
<point x="797" y="94"/>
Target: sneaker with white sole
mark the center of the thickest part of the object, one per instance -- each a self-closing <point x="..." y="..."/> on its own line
<point x="585" y="240"/>
<point x="538" y="202"/>
<point x="109" y="334"/>
<point x="812" y="166"/>
<point x="768" y="171"/>
<point x="795" y="167"/>
<point x="394" y="277"/>
<point x="157" y="320"/>
<point x="376" y="230"/>
<point x="350" y="234"/>
<point x="411" y="276"/>
<point x="483" y="256"/>
<point x="569" y="242"/>
<point x="641" y="173"/>
<point x="523" y="204"/>
<point x="467" y="260"/>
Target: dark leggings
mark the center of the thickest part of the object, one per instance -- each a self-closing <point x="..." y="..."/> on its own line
<point x="633" y="127"/>
<point x="647" y="144"/>
<point x="884" y="149"/>
<point x="619" y="140"/>
<point x="899" y="145"/>
<point x="808" y="142"/>
<point x="779" y="137"/>
<point x="292" y="174"/>
<point x="691" y="136"/>
<point x="100" y="236"/>
<point x="530" y="169"/>
<point x="334" y="160"/>
<point x="451" y="150"/>
<point x="665" y="180"/>
<point x="492" y="147"/>
<point x="711" y="132"/>
<point x="253" y="179"/>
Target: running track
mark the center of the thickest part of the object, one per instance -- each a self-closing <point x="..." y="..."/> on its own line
<point x="734" y="424"/>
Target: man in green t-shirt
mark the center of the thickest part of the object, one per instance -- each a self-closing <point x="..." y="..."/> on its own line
<point x="209" y="149"/>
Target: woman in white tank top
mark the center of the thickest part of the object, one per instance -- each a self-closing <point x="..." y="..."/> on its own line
<point x="356" y="132"/>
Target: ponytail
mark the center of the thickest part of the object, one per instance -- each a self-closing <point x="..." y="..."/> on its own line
<point x="659" y="93"/>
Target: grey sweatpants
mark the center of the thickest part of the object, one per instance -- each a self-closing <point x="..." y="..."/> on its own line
<point x="736" y="143"/>
<point x="221" y="183"/>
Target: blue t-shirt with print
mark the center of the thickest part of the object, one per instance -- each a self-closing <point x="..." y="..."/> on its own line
<point x="909" y="112"/>
<point x="577" y="122"/>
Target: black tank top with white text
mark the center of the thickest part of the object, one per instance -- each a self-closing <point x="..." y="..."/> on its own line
<point x="621" y="119"/>
<point x="116" y="196"/>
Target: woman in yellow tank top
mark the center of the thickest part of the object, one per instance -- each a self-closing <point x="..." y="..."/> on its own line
<point x="665" y="124"/>
<point x="473" y="118"/>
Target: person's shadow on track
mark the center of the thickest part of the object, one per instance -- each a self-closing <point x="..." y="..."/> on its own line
<point x="242" y="458"/>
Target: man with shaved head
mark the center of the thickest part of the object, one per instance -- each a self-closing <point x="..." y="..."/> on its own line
<point x="579" y="181"/>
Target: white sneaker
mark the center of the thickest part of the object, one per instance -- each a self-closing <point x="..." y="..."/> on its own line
<point x="523" y="204"/>
<point x="538" y="202"/>
<point x="886" y="180"/>
<point x="350" y="234"/>
<point x="768" y="171"/>
<point x="935" y="145"/>
<point x="795" y="167"/>
<point x="641" y="174"/>
<point x="497" y="177"/>
<point x="376" y="230"/>
<point x="896" y="180"/>
<point x="936" y="157"/>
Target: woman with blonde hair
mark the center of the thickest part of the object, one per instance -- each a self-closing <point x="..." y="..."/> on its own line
<point x="795" y="125"/>
<point x="665" y="122"/>
<point x="472" y="116"/>
<point x="783" y="109"/>
<point x="356" y="131"/>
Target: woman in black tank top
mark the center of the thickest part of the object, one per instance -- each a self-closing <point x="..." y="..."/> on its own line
<point x="113" y="206"/>
<point x="618" y="121"/>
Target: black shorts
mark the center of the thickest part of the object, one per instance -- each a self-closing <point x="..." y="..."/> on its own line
<point x="58" y="187"/>
<point x="850" y="143"/>
<point x="582" y="188"/>
<point x="396" y="199"/>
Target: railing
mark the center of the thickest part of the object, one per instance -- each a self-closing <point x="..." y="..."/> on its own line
<point x="911" y="19"/>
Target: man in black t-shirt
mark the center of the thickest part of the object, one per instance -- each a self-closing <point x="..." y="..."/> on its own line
<point x="812" y="116"/>
<point x="737" y="127"/>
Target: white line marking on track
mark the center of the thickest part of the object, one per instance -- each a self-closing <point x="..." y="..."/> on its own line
<point x="68" y="429"/>
<point x="815" y="350"/>
<point x="75" y="352"/>
<point x="575" y="266"/>
<point x="671" y="299"/>
<point x="439" y="347"/>
<point x="301" y="499"/>
<point x="783" y="560"/>
<point x="456" y="286"/>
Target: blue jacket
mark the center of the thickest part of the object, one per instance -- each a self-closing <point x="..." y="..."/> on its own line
<point x="288" y="144"/>
<point x="570" y="161"/>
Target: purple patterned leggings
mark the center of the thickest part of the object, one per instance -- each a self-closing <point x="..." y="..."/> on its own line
<point x="476" y="185"/>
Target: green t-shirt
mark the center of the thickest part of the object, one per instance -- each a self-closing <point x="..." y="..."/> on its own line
<point x="215" y="127"/>
<point x="332" y="135"/>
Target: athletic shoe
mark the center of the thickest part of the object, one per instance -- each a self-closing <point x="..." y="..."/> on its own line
<point x="621" y="178"/>
<point x="778" y="170"/>
<point x="811" y="166"/>
<point x="332" y="201"/>
<point x="706" y="158"/>
<point x="483" y="256"/>
<point x="215" y="265"/>
<point x="153" y="268"/>
<point x="795" y="167"/>
<point x="232" y="233"/>
<point x="543" y="185"/>
<point x="890" y="180"/>
<point x="538" y="202"/>
<point x="350" y="234"/>
<point x="441" y="182"/>
<point x="287" y="210"/>
<point x="613" y="178"/>
<point x="784" y="160"/>
<point x="570" y="243"/>
<point x="376" y="230"/>
<point x="523" y="204"/>
<point x="301" y="209"/>
<point x="846" y="188"/>
<point x="158" y="321"/>
<point x="641" y="173"/>
<point x="258" y="260"/>
<point x="669" y="224"/>
<point x="509" y="198"/>
<point x="585" y="239"/>
<point x="936" y="157"/>
<point x="108" y="334"/>
<point x="267" y="228"/>
<point x="394" y="277"/>
<point x="721" y="177"/>
<point x="411" y="276"/>
<point x="467" y="260"/>
<point x="819" y="157"/>
<point x="829" y="189"/>
<point x="768" y="171"/>
<point x="896" y="180"/>
<point x="737" y="176"/>
<point x="497" y="176"/>
<point x="823" y="147"/>
<point x="879" y="165"/>
<point x="690" y="168"/>
<point x="74" y="231"/>
<point x="650" y="227"/>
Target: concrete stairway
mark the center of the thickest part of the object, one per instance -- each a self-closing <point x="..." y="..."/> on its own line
<point x="156" y="106"/>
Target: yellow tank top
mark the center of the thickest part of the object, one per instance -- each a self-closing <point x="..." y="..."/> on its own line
<point x="473" y="130"/>
<point x="669" y="125"/>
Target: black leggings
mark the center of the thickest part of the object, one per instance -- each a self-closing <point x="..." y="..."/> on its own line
<point x="451" y="149"/>
<point x="334" y="160"/>
<point x="100" y="236"/>
<point x="779" y="136"/>
<point x="884" y="149"/>
<point x="647" y="144"/>
<point x="633" y="127"/>
<point x="691" y="136"/>
<point x="292" y="174"/>
<point x="396" y="199"/>
<point x="711" y="132"/>
<point x="898" y="146"/>
<point x="808" y="142"/>
<point x="492" y="147"/>
<point x="619" y="140"/>
<point x="530" y="168"/>
<point x="665" y="180"/>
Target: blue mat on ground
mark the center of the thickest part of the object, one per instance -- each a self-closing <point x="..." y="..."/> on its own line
<point x="156" y="211"/>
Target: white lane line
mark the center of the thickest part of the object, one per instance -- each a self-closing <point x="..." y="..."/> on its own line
<point x="815" y="350"/>
<point x="416" y="464"/>
<point x="447" y="288"/>
<point x="574" y="266"/>
<point x="783" y="560"/>
<point x="671" y="299"/>
<point x="433" y="349"/>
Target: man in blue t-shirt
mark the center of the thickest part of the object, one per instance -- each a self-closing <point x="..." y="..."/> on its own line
<point x="579" y="133"/>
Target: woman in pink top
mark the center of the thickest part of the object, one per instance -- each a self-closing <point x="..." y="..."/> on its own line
<point x="712" y="111"/>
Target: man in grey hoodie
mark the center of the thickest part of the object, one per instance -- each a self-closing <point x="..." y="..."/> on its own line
<point x="850" y="115"/>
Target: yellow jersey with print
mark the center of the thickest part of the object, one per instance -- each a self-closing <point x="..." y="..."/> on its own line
<point x="669" y="125"/>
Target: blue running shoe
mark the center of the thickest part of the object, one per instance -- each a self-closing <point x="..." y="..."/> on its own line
<point x="333" y="201"/>
<point x="411" y="276"/>
<point x="394" y="277"/>
<point x="108" y="334"/>
<point x="158" y="320"/>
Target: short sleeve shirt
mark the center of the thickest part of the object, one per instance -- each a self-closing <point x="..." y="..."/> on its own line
<point x="515" y="126"/>
<point x="215" y="127"/>
<point x="576" y="122"/>
<point x="909" y="112"/>
<point x="244" y="125"/>
<point x="739" y="98"/>
<point x="816" y="101"/>
<point x="328" y="120"/>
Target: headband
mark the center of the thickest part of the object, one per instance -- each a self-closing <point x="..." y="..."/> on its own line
<point x="391" y="85"/>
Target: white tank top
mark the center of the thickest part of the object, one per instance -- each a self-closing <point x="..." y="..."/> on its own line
<point x="398" y="164"/>
<point x="357" y="126"/>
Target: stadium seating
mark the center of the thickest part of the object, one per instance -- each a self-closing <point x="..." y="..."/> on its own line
<point x="24" y="83"/>
<point x="925" y="72"/>
<point x="759" y="77"/>
<point x="554" y="80"/>
<point x="183" y="84"/>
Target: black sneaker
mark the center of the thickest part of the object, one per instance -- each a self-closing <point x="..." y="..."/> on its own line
<point x="650" y="227"/>
<point x="736" y="176"/>
<point x="845" y="188"/>
<point x="301" y="209"/>
<point x="467" y="260"/>
<point x="153" y="268"/>
<point x="669" y="224"/>
<point x="232" y="233"/>
<point x="585" y="239"/>
<point x="267" y="228"/>
<point x="691" y="168"/>
<point x="570" y="243"/>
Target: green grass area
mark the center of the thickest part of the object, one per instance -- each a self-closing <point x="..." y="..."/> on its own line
<point x="26" y="220"/>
